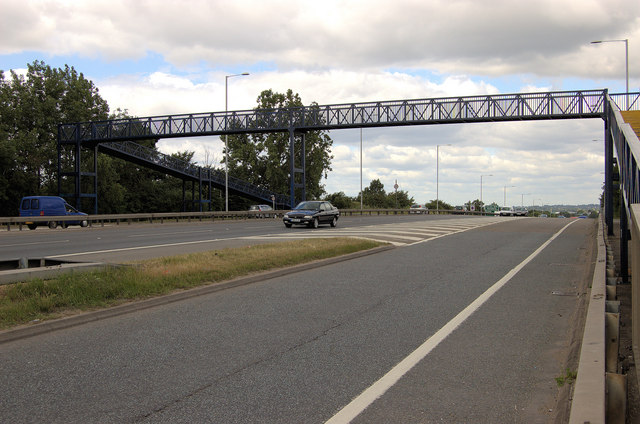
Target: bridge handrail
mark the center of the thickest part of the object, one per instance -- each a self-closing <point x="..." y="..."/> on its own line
<point x="627" y="148"/>
<point x="480" y="108"/>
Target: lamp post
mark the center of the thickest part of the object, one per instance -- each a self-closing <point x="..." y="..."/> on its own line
<point x="505" y="195"/>
<point x="226" y="147"/>
<point x="361" y="200"/>
<point x="626" y="55"/>
<point x="481" y="202"/>
<point x="438" y="177"/>
<point x="522" y="200"/>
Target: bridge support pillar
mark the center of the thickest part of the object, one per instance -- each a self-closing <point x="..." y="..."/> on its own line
<point x="72" y="158"/>
<point x="608" y="176"/>
<point x="624" y="240"/>
<point x="294" y="171"/>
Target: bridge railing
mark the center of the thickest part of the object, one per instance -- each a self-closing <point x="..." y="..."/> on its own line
<point x="485" y="108"/>
<point x="598" y="385"/>
<point x="627" y="148"/>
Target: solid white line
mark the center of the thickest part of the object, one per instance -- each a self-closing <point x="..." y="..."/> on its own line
<point x="39" y="243"/>
<point x="124" y="249"/>
<point x="366" y="398"/>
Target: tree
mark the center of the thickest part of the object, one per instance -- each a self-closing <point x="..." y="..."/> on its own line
<point x="374" y="196"/>
<point x="476" y="205"/>
<point x="399" y="200"/>
<point x="31" y="107"/>
<point x="441" y="205"/>
<point x="264" y="160"/>
<point x="340" y="200"/>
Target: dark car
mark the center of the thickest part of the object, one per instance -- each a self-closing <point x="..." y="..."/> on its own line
<point x="312" y="213"/>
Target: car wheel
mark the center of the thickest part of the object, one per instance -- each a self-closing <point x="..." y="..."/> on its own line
<point x="84" y="224"/>
<point x="315" y="223"/>
<point x="287" y="225"/>
<point x="64" y="224"/>
<point x="32" y="226"/>
<point x="334" y="221"/>
<point x="53" y="224"/>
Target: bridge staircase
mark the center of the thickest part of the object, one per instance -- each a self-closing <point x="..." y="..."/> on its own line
<point x="150" y="158"/>
<point x="170" y="165"/>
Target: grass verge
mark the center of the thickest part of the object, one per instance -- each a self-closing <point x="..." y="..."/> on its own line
<point x="22" y="303"/>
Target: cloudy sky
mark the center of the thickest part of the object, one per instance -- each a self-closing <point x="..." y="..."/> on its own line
<point x="158" y="57"/>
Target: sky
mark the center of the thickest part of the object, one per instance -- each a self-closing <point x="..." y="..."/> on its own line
<point x="161" y="57"/>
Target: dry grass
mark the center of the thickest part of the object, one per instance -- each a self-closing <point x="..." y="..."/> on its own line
<point x="37" y="300"/>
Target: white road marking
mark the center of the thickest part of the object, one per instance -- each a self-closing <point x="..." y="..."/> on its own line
<point x="366" y="398"/>
<point x="38" y="243"/>
<point x="395" y="232"/>
<point x="403" y="234"/>
<point x="166" y="234"/>
<point x="124" y="249"/>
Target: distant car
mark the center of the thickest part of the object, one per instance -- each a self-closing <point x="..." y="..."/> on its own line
<point x="506" y="211"/>
<point x="543" y="215"/>
<point x="561" y="216"/>
<point x="260" y="208"/>
<point x="583" y="216"/>
<point x="312" y="213"/>
<point x="418" y="209"/>
<point x="521" y="211"/>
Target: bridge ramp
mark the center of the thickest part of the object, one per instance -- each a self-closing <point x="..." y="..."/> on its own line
<point x="632" y="117"/>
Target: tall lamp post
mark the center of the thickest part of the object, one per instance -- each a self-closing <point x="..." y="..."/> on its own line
<point x="361" y="200"/>
<point x="626" y="54"/>
<point x="505" y="195"/>
<point x="438" y="177"/>
<point x="481" y="202"/>
<point x="226" y="146"/>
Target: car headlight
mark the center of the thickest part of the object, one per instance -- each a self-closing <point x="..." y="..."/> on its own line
<point x="308" y="217"/>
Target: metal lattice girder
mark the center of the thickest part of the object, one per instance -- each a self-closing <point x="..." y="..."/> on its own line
<point x="488" y="108"/>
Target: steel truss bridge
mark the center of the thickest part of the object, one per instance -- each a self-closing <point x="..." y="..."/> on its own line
<point x="117" y="137"/>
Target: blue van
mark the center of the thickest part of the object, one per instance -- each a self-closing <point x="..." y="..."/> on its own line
<point x="49" y="206"/>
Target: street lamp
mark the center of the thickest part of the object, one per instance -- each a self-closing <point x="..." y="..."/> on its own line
<point x="522" y="200"/>
<point x="626" y="54"/>
<point x="481" y="202"/>
<point x="226" y="147"/>
<point x="505" y="194"/>
<point x="361" y="200"/>
<point x="438" y="177"/>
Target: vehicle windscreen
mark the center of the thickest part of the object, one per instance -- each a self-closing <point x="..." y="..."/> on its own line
<point x="308" y="206"/>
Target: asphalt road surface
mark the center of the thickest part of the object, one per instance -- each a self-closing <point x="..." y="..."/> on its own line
<point x="469" y="325"/>
<point x="121" y="243"/>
